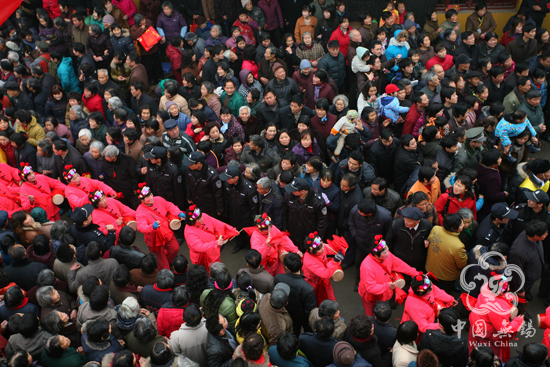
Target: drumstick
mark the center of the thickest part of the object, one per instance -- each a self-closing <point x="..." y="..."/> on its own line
<point x="333" y="250"/>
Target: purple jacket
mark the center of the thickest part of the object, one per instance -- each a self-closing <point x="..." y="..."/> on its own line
<point x="96" y="166"/>
<point x="213" y="42"/>
<point x="273" y="14"/>
<point x="171" y="25"/>
<point x="55" y="37"/>
<point x="302" y="154"/>
<point x="234" y="129"/>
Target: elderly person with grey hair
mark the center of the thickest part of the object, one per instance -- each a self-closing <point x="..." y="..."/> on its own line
<point x="143" y="336"/>
<point x="51" y="299"/>
<point x="252" y="172"/>
<point x="468" y="234"/>
<point x="78" y="119"/>
<point x="153" y="296"/>
<point x="94" y="160"/>
<point x="121" y="175"/>
<point x="339" y="106"/>
<point x="106" y="83"/>
<point x="128" y="312"/>
<point x="270" y="202"/>
<point x="45" y="158"/>
<point x="433" y="85"/>
<point x="251" y="124"/>
<point x="84" y="141"/>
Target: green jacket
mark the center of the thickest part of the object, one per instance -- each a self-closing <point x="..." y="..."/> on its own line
<point x="534" y="115"/>
<point x="100" y="133"/>
<point x="227" y="308"/>
<point x="511" y="101"/>
<point x="237" y="101"/>
<point x="69" y="358"/>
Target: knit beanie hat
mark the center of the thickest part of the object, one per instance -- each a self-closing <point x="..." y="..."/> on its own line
<point x="170" y="104"/>
<point x="244" y="2"/>
<point x="108" y="19"/>
<point x="343" y="354"/>
<point x="408" y="24"/>
<point x="39" y="215"/>
<point x="276" y="67"/>
<point x="304" y="64"/>
<point x="351" y="115"/>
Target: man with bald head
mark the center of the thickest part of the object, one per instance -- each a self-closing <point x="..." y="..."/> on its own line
<point x="22" y="270"/>
<point x="356" y="40"/>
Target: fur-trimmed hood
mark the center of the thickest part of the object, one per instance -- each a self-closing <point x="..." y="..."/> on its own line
<point x="476" y="251"/>
<point x="522" y="170"/>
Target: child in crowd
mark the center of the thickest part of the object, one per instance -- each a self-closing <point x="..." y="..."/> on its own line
<point x="513" y="125"/>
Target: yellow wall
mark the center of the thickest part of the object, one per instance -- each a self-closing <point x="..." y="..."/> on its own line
<point x="501" y="17"/>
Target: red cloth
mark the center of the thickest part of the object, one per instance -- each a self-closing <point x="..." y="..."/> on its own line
<point x="454" y="205"/>
<point x="9" y="201"/>
<point x="420" y="312"/>
<point x="447" y="63"/>
<point x="94" y="104"/>
<point x="196" y="137"/>
<point x="203" y="240"/>
<point x="493" y="323"/>
<point x="174" y="55"/>
<point x="251" y="66"/>
<point x="246" y="30"/>
<point x="317" y="269"/>
<point x="280" y="243"/>
<point x="78" y="195"/>
<point x="52" y="6"/>
<point x="169" y="320"/>
<point x="410" y="120"/>
<point x="10" y="177"/>
<point x="109" y="215"/>
<point x="343" y="40"/>
<point x="145" y="218"/>
<point x="41" y="190"/>
<point x="374" y="284"/>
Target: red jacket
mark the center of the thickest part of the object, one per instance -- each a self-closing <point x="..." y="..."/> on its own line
<point x="447" y="63"/>
<point x="270" y="253"/>
<point x="77" y="196"/>
<point x="174" y="55"/>
<point x="169" y="320"/>
<point x="410" y="120"/>
<point x="41" y="189"/>
<point x="454" y="204"/>
<point x="420" y="312"/>
<point x="343" y="40"/>
<point x="94" y="104"/>
<point x="145" y="218"/>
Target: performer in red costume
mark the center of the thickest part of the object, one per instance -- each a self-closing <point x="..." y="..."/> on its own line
<point x="109" y="211"/>
<point x="205" y="236"/>
<point x="491" y="321"/>
<point x="424" y="302"/>
<point x="79" y="187"/>
<point x="270" y="242"/>
<point x="378" y="278"/>
<point x="9" y="176"/>
<point x="9" y="200"/>
<point x="152" y="222"/>
<point x="318" y="269"/>
<point x="36" y="192"/>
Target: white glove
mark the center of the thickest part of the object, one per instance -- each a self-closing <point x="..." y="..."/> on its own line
<point x="325" y="198"/>
<point x="218" y="91"/>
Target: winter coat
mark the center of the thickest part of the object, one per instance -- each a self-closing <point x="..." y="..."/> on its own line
<point x="529" y="256"/>
<point x="468" y="158"/>
<point x="270" y="254"/>
<point x="343" y="39"/>
<point x="318" y="350"/>
<point x="446" y="63"/>
<point x="389" y="107"/>
<point x="446" y="254"/>
<point x="57" y="110"/>
<point x="406" y="246"/>
<point x="34" y="344"/>
<point x="55" y="37"/>
<point x="364" y="229"/>
<point x="219" y="350"/>
<point x="34" y="131"/>
<point x="284" y="91"/>
<point x="273" y="14"/>
<point x="205" y="187"/>
<point x="171" y="25"/>
<point x="191" y="342"/>
<point x="67" y="76"/>
<point x="136" y="31"/>
<point x="226" y="309"/>
<point x="325" y="91"/>
<point x="69" y="358"/>
<point x="369" y="350"/>
<point x="490" y="184"/>
<point x="302" y="154"/>
<point x="42" y="196"/>
<point x="405" y="163"/>
<point x="335" y="67"/>
<point x="121" y="175"/>
<point x="535" y="117"/>
<point x="454" y="204"/>
<point x="483" y="266"/>
<point x="313" y="53"/>
<point x="96" y="46"/>
<point x="122" y="44"/>
<point x="241" y="203"/>
<point x="301" y="218"/>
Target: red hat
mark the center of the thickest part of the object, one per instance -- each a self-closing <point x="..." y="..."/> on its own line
<point x="391" y="88"/>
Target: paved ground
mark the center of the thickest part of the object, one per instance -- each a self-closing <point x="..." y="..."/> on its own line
<point x="350" y="302"/>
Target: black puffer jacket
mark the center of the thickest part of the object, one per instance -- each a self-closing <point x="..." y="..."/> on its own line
<point x="370" y="350"/>
<point x="364" y="229"/>
<point x="409" y="248"/>
<point x="128" y="255"/>
<point x="450" y="350"/>
<point x="335" y="67"/>
<point x="204" y="188"/>
<point x="405" y="163"/>
<point x="302" y="218"/>
<point x="382" y="159"/>
<point x="284" y="91"/>
<point x="219" y="351"/>
<point x="121" y="175"/>
<point x="166" y="182"/>
<point x="241" y="203"/>
<point x="266" y="158"/>
<point x="347" y="201"/>
<point x="272" y="204"/>
<point x="301" y="300"/>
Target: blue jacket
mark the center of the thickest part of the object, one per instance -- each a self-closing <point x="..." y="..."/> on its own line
<point x="543" y="91"/>
<point x="67" y="76"/>
<point x="277" y="360"/>
<point x="389" y="107"/>
<point x="122" y="44"/>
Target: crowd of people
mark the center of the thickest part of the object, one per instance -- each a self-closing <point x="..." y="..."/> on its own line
<point x="402" y="154"/>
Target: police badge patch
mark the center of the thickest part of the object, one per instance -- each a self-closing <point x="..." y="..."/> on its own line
<point x="255" y="199"/>
<point x="324" y="211"/>
<point x="219" y="184"/>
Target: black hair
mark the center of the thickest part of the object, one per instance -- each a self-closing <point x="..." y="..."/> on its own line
<point x="149" y="264"/>
<point x="452" y="222"/>
<point x="490" y="157"/>
<point x="192" y="315"/>
<point x="407" y="332"/>
<point x="253" y="258"/>
<point x="287" y="346"/>
<point x="122" y="276"/>
<point x="448" y="318"/>
<point x="180" y="264"/>
<point x="293" y="262"/>
<point x="536" y="228"/>
<point x="324" y="327"/>
<point x="382" y="311"/>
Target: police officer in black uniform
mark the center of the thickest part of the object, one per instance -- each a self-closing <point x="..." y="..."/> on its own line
<point x="85" y="231"/>
<point x="304" y="212"/>
<point x="496" y="227"/>
<point x="164" y="177"/>
<point x="536" y="208"/>
<point x="203" y="185"/>
<point x="242" y="203"/>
